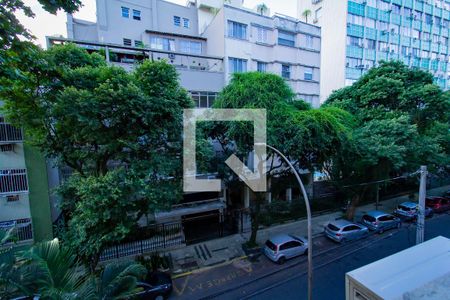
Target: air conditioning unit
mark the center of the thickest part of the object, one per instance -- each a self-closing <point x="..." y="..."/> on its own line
<point x="347" y="64"/>
<point x="438" y="59"/>
<point x="349" y="24"/>
<point x="171" y="56"/>
<point x="392" y="51"/>
<point x="392" y="30"/>
<point x="384" y="32"/>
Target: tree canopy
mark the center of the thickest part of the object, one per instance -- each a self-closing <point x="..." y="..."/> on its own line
<point x="120" y="132"/>
<point x="401" y="122"/>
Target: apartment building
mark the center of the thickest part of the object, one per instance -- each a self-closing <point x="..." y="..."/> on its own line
<point x="251" y="40"/>
<point x="24" y="199"/>
<point x="356" y="34"/>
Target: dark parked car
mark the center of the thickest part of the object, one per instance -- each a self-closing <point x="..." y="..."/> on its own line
<point x="438" y="204"/>
<point x="380" y="221"/>
<point x="156" y="286"/>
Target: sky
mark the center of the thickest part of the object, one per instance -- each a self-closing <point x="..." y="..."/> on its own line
<point x="45" y="24"/>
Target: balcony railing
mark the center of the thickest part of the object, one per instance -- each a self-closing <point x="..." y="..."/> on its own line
<point x="9" y="133"/>
<point x="13" y="181"/>
<point x="23" y="230"/>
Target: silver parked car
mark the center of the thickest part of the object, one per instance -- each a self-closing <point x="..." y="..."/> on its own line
<point x="285" y="246"/>
<point x="380" y="221"/>
<point x="342" y="231"/>
<point x="409" y="211"/>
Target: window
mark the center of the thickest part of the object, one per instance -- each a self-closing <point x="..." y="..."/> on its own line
<point x="383" y="5"/>
<point x="203" y="99"/>
<point x="353" y="62"/>
<point x="186" y="23"/>
<point x="286" y="71"/>
<point x="191" y="47"/>
<point x="405" y="50"/>
<point x="371" y="44"/>
<point x="383" y="46"/>
<point x="136" y="14"/>
<point x="9" y="133"/>
<point x="426" y="36"/>
<point x="428" y="19"/>
<point x="437" y="21"/>
<point x="354" y="19"/>
<point x="261" y="35"/>
<point x="176" y="21"/>
<point x="405" y="31"/>
<point x="162" y="43"/>
<point x="407" y="11"/>
<point x="309" y="41"/>
<point x="127" y="42"/>
<point x="308" y="73"/>
<point x="416" y="34"/>
<point x="370" y="23"/>
<point x="237" y="30"/>
<point x="286" y="38"/>
<point x="261" y="67"/>
<point x="435" y="38"/>
<point x="125" y="12"/>
<point x="318" y="13"/>
<point x="372" y="3"/>
<point x="354" y="41"/>
<point x="382" y="25"/>
<point x="425" y="54"/>
<point x="395" y="9"/>
<point x="237" y="65"/>
<point x="138" y="43"/>
<point x="13" y="181"/>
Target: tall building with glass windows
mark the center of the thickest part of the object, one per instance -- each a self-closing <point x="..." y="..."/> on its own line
<point x="356" y="34"/>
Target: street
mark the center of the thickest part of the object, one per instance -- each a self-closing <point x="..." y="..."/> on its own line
<point x="262" y="279"/>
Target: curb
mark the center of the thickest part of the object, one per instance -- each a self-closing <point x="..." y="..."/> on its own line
<point x="200" y="270"/>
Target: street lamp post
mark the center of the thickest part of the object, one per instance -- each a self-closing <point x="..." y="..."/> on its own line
<point x="308" y="213"/>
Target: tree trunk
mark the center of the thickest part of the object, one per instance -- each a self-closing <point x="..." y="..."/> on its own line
<point x="355" y="201"/>
<point x="255" y="212"/>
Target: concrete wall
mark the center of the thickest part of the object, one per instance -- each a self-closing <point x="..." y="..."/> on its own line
<point x="333" y="23"/>
<point x="39" y="195"/>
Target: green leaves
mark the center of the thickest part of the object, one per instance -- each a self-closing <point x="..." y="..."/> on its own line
<point x="402" y="121"/>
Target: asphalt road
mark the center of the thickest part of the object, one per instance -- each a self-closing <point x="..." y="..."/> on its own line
<point x="263" y="279"/>
<point x="330" y="268"/>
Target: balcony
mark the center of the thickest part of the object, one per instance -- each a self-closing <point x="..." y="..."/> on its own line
<point x="22" y="232"/>
<point x="13" y="181"/>
<point x="9" y="134"/>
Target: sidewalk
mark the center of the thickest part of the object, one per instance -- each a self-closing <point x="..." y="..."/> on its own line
<point x="226" y="249"/>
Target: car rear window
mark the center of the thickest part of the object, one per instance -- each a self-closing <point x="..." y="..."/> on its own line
<point x="405" y="208"/>
<point x="271" y="245"/>
<point x="332" y="227"/>
<point x="432" y="200"/>
<point x="369" y="218"/>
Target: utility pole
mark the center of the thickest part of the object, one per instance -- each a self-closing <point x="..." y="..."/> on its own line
<point x="421" y="211"/>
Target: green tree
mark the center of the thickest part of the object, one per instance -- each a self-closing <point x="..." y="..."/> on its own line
<point x="402" y="122"/>
<point x="307" y="136"/>
<point x="306" y="13"/>
<point x="93" y="118"/>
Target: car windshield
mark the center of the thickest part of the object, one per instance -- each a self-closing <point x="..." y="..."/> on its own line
<point x="332" y="227"/>
<point x="271" y="245"/>
<point x="369" y="218"/>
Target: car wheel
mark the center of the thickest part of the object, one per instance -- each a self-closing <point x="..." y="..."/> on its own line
<point x="281" y="260"/>
<point x="160" y="297"/>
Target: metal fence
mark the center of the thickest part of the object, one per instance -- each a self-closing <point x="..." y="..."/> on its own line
<point x="163" y="236"/>
<point x="13" y="181"/>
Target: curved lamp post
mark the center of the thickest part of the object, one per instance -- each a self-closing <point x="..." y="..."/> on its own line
<point x="308" y="214"/>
